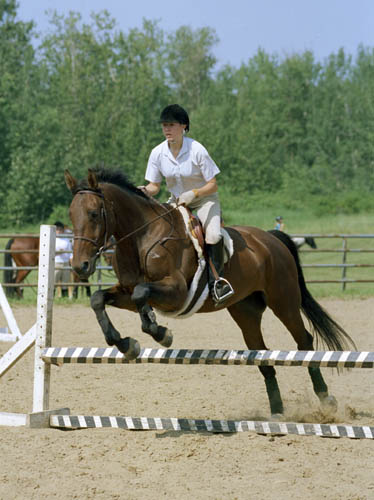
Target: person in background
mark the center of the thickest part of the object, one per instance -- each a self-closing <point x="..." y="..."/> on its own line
<point x="62" y="261"/>
<point x="190" y="175"/>
<point x="279" y="224"/>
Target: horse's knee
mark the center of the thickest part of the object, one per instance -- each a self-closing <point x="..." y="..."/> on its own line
<point x="140" y="294"/>
<point x="97" y="300"/>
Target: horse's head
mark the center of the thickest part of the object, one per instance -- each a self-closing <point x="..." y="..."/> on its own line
<point x="90" y="222"/>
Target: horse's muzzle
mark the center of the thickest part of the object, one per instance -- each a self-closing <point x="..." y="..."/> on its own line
<point x="85" y="268"/>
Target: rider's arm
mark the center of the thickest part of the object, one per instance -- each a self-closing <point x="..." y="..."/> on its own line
<point x="209" y="188"/>
<point x="152" y="188"/>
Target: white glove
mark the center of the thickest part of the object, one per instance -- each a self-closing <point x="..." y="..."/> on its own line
<point x="187" y="197"/>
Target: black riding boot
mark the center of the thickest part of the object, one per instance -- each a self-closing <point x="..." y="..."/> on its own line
<point x="220" y="288"/>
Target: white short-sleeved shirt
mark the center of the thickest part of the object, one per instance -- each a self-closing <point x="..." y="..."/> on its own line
<point x="63" y="245"/>
<point x="192" y="168"/>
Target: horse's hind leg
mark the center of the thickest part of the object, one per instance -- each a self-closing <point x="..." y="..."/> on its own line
<point x="21" y="276"/>
<point x="248" y="314"/>
<point x="292" y="320"/>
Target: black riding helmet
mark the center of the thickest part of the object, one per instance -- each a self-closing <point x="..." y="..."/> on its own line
<point x="175" y="113"/>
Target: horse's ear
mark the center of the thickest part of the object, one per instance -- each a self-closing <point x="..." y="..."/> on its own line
<point x="92" y="180"/>
<point x="70" y="181"/>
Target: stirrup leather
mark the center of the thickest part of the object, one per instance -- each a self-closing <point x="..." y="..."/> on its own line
<point x="222" y="282"/>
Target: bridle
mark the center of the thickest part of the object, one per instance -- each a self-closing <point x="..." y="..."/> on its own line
<point x="110" y="242"/>
<point x="102" y="248"/>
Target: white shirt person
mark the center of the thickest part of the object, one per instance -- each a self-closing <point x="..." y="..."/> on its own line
<point x="190" y="175"/>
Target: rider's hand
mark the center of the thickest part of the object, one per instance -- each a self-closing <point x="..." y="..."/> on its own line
<point x="187" y="197"/>
<point x="144" y="189"/>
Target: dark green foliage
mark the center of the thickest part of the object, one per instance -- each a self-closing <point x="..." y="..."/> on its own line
<point x="285" y="131"/>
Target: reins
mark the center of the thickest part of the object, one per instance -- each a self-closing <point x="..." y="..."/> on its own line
<point x="114" y="242"/>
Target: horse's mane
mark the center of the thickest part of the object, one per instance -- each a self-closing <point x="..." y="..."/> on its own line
<point x="111" y="176"/>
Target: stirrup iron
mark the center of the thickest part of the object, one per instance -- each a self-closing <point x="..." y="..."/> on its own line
<point x="222" y="282"/>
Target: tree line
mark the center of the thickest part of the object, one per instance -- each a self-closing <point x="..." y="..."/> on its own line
<point x="90" y="94"/>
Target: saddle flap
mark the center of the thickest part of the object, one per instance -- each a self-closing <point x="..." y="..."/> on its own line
<point x="196" y="229"/>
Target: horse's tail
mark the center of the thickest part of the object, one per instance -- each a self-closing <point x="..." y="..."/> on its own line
<point x="8" y="274"/>
<point x="326" y="329"/>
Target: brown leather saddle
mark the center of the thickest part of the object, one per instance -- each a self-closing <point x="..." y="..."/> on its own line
<point x="196" y="229"/>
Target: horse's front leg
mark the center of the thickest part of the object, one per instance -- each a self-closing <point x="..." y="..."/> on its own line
<point x="169" y="293"/>
<point x="116" y="297"/>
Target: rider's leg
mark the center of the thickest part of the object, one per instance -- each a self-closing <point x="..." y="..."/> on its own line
<point x="220" y="289"/>
<point x="209" y="213"/>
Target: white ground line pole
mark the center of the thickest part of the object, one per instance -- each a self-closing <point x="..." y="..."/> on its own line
<point x="44" y="310"/>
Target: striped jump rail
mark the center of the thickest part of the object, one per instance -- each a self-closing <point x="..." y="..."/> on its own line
<point x="111" y="355"/>
<point x="201" y="425"/>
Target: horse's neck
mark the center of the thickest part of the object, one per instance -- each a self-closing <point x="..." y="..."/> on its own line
<point x="135" y="216"/>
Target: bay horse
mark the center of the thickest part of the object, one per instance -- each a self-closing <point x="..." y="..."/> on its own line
<point x="155" y="262"/>
<point x="30" y="258"/>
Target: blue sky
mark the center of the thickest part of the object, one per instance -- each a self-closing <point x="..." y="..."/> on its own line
<point x="278" y="26"/>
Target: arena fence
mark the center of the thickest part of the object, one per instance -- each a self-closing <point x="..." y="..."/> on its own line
<point x="340" y="254"/>
<point x="344" y="249"/>
<point x="99" y="278"/>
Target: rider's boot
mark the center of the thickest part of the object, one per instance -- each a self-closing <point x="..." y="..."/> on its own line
<point x="219" y="287"/>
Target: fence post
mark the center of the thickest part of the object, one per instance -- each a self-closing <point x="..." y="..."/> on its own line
<point x="344" y="272"/>
<point x="47" y="248"/>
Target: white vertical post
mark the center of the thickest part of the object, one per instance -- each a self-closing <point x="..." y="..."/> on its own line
<point x="8" y="313"/>
<point x="46" y="277"/>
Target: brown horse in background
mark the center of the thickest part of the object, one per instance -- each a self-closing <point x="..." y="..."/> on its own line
<point x="155" y="263"/>
<point x="30" y="245"/>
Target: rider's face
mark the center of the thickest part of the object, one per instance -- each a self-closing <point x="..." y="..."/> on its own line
<point x="173" y="131"/>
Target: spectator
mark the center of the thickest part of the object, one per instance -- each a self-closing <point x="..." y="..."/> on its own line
<point x="62" y="261"/>
<point x="279" y="224"/>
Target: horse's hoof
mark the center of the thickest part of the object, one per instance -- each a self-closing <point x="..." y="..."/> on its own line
<point x="330" y="404"/>
<point x="277" y="417"/>
<point x="161" y="334"/>
<point x="167" y="339"/>
<point x="129" y="347"/>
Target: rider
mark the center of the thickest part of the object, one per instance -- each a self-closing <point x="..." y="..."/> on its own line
<point x="190" y="175"/>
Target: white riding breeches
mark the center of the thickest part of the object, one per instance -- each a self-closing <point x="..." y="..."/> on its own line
<point x="208" y="210"/>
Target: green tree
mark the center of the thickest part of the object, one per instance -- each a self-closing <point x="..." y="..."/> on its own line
<point x="190" y="62"/>
<point x="16" y="74"/>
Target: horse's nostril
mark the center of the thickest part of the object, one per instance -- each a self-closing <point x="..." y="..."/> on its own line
<point x="82" y="269"/>
<point x="85" y="265"/>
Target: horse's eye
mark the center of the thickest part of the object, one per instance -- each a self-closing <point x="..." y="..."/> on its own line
<point x="93" y="214"/>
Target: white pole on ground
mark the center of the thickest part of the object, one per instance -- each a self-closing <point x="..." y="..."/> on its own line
<point x="42" y="370"/>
